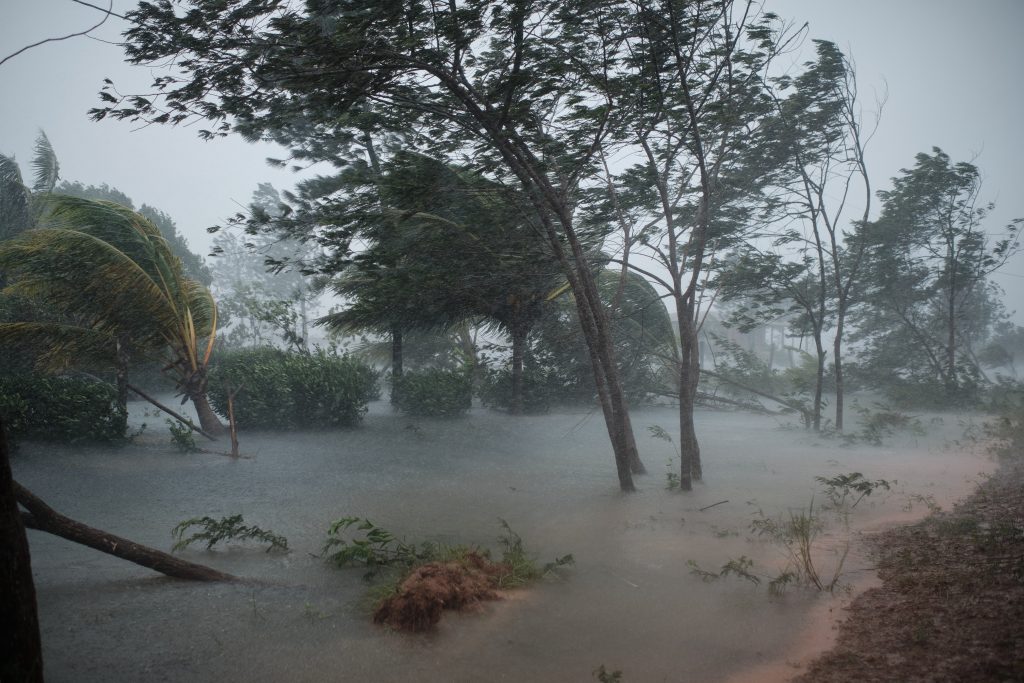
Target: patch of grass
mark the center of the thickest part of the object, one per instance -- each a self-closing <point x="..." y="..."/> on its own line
<point x="230" y="528"/>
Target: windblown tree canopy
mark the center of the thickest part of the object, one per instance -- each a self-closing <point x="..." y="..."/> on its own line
<point x="929" y="257"/>
<point x="120" y="291"/>
<point x="529" y="91"/>
<point x="22" y="205"/>
<point x="444" y="245"/>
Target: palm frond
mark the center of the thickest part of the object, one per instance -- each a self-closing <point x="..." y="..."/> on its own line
<point x="58" y="346"/>
<point x="15" y="214"/>
<point x="45" y="166"/>
<point x="82" y="275"/>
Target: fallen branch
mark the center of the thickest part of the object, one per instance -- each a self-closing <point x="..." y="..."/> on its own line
<point x="42" y="517"/>
<point x="177" y="416"/>
<point x="708" y="507"/>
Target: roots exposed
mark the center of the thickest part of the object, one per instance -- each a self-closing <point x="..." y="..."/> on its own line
<point x="431" y="588"/>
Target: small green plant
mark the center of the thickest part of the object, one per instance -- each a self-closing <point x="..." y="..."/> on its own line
<point x="604" y="676"/>
<point x="841" y="488"/>
<point x="671" y="476"/>
<point x="182" y="437"/>
<point x="230" y="528"/>
<point x="372" y="546"/>
<point x="797" y="534"/>
<point x="928" y="501"/>
<point x="522" y="568"/>
<point x="739" y="567"/>
<point x="882" y="421"/>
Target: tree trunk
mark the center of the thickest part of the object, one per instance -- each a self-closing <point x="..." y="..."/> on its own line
<point x="121" y="373"/>
<point x="42" y="517"/>
<point x="177" y="416"/>
<point x="819" y="380"/>
<point x="837" y="359"/>
<point x="396" y="362"/>
<point x="518" y="351"/>
<point x="21" y="655"/>
<point x="690" y="467"/>
<point x="208" y="419"/>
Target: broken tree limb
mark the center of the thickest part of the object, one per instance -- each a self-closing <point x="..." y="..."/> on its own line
<point x="708" y="507"/>
<point x="177" y="416"/>
<point x="757" y="392"/>
<point x="42" y="517"/>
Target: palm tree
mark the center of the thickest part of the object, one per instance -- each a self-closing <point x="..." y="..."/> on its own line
<point x="120" y="290"/>
<point x="20" y="205"/>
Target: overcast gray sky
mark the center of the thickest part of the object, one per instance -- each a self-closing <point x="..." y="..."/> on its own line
<point x="952" y="70"/>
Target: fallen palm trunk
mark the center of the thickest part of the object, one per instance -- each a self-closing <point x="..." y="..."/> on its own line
<point x="42" y="517"/>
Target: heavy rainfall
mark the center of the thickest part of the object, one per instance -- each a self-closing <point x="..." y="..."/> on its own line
<point x="534" y="341"/>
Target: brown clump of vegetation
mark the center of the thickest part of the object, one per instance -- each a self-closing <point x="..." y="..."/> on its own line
<point x="951" y="607"/>
<point x="424" y="594"/>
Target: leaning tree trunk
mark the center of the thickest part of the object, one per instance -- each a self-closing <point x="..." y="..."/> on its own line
<point x="21" y="654"/>
<point x="208" y="419"/>
<point x="42" y="517"/>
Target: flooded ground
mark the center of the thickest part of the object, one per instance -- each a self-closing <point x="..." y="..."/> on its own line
<point x="630" y="603"/>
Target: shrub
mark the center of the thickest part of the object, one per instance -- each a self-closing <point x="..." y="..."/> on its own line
<point x="433" y="393"/>
<point x="282" y="390"/>
<point x="67" y="409"/>
<point x="541" y="388"/>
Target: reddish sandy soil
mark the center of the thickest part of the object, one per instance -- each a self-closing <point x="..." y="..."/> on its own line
<point x="951" y="604"/>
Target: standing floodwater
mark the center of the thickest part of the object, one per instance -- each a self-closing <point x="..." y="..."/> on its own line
<point x="630" y="603"/>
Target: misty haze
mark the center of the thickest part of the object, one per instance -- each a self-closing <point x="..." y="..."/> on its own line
<point x="474" y="341"/>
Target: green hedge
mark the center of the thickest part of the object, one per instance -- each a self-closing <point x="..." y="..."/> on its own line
<point x="433" y="392"/>
<point x="282" y="390"/>
<point x="64" y="409"/>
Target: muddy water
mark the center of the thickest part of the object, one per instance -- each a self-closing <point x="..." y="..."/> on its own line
<point x="630" y="603"/>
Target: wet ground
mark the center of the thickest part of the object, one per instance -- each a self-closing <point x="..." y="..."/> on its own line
<point x="630" y="603"/>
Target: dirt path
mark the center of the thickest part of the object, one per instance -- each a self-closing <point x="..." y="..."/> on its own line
<point x="951" y="604"/>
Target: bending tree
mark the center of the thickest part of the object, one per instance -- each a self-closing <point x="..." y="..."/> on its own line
<point x="120" y="291"/>
<point x="928" y="300"/>
<point x="526" y="90"/>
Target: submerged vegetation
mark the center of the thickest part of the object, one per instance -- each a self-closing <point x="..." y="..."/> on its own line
<point x="422" y="580"/>
<point x="231" y="528"/>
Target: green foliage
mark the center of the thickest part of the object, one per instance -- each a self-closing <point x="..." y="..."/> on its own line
<point x="67" y="409"/>
<point x="371" y="546"/>
<point x="883" y="421"/>
<point x="671" y="476"/>
<point x="282" y="390"/>
<point x="231" y="528"/>
<point x="542" y="388"/>
<point x="842" y="487"/>
<point x="378" y="549"/>
<point x="433" y="392"/>
<point x="796" y="533"/>
<point x="928" y="303"/>
<point x="521" y="566"/>
<point x="182" y="437"/>
<point x="739" y="568"/>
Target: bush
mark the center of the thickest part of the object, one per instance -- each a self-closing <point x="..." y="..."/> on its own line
<point x="283" y="390"/>
<point x="541" y="388"/>
<point x="66" y="409"/>
<point x="433" y="393"/>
